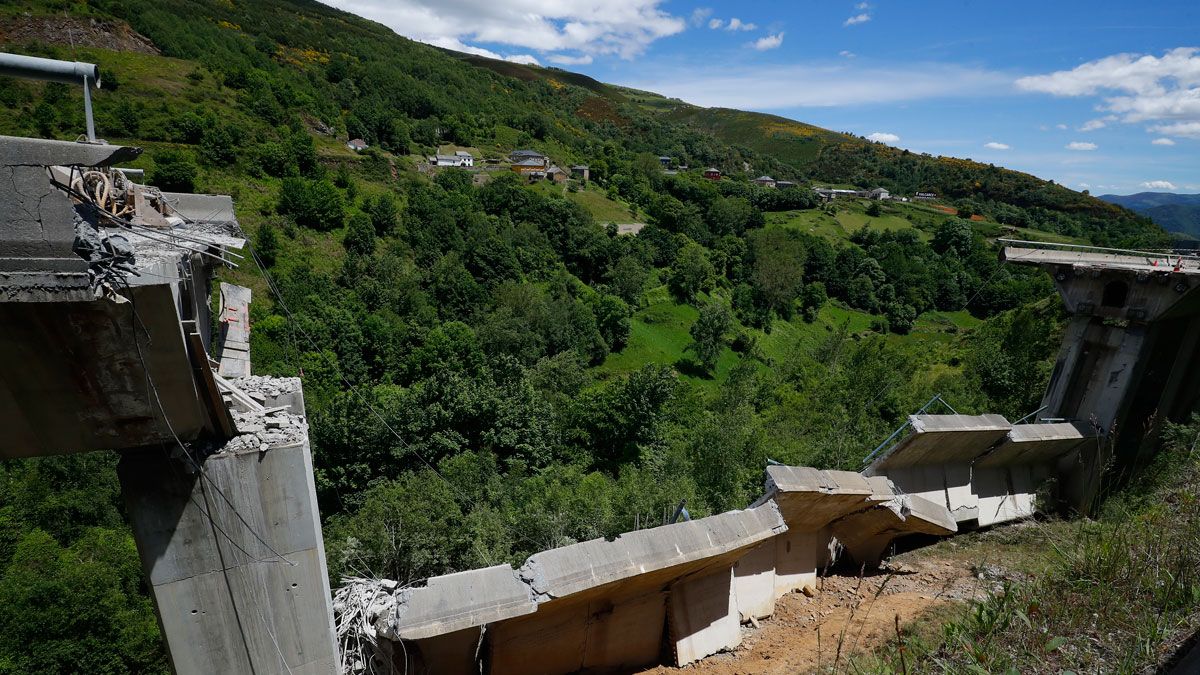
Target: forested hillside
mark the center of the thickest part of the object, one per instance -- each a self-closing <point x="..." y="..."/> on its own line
<point x="491" y="369"/>
<point x="1176" y="213"/>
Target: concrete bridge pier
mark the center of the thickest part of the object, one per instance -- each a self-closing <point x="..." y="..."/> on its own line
<point x="231" y="545"/>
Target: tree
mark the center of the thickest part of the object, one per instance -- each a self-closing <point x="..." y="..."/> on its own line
<point x="874" y="210"/>
<point x="174" y="171"/>
<point x="900" y="316"/>
<point x="612" y="319"/>
<point x="627" y="279"/>
<point x="708" y="334"/>
<point x="360" y="235"/>
<point x="953" y="237"/>
<point x="383" y="212"/>
<point x="691" y="272"/>
<point x="730" y="215"/>
<point x="812" y="298"/>
<point x="266" y="244"/>
<point x="778" y="270"/>
<point x="313" y="203"/>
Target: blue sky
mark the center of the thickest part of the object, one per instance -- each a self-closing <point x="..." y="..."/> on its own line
<point x="1095" y="95"/>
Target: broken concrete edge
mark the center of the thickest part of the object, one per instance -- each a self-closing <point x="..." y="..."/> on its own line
<point x="780" y="478"/>
<point x="45" y="152"/>
<point x="1028" y="443"/>
<point x="563" y="571"/>
<point x="949" y="423"/>
<point x="454" y="602"/>
<point x="932" y="518"/>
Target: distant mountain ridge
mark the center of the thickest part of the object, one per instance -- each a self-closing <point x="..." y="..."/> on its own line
<point x="1178" y="213"/>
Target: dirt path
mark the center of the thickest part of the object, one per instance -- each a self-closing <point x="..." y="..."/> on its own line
<point x="860" y="614"/>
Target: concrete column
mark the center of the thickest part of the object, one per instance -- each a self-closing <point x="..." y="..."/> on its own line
<point x="798" y="557"/>
<point x="228" y="602"/>
<point x="704" y="616"/>
<point x="754" y="581"/>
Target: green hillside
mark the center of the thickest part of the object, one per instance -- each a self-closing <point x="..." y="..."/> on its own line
<point x="548" y="380"/>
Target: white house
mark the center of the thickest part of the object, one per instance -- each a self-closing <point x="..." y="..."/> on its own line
<point x="460" y="158"/>
<point x="356" y="144"/>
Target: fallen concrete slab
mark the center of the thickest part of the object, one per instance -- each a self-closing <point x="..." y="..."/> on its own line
<point x="455" y="602"/>
<point x="442" y="623"/>
<point x="809" y="499"/>
<point x="568" y="570"/>
<point x="602" y="604"/>
<point x="934" y="460"/>
<point x="942" y="439"/>
<point x="1031" y="444"/>
<point x="865" y="535"/>
<point x="1006" y="479"/>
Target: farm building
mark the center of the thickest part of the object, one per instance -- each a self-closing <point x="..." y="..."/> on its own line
<point x="460" y="158"/>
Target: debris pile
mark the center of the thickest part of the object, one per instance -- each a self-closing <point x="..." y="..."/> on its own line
<point x="265" y="429"/>
<point x="263" y="389"/>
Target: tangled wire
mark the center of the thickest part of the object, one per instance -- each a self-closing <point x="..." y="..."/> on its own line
<point x="356" y="605"/>
<point x="98" y="188"/>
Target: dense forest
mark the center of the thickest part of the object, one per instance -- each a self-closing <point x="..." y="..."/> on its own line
<point x="490" y="368"/>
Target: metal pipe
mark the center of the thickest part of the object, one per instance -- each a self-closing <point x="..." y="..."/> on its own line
<point x="53" y="70"/>
<point x="49" y="70"/>
<point x="1030" y="415"/>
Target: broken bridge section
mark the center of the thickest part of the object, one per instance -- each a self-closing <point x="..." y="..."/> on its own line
<point x="104" y="298"/>
<point x="981" y="468"/>
<point x="934" y="460"/>
<point x="1130" y="355"/>
<point x="612" y="605"/>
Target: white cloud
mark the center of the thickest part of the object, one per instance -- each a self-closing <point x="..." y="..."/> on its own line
<point x="847" y="54"/>
<point x="568" y="60"/>
<point x="1060" y="127"/>
<point x="1184" y="129"/>
<point x="820" y="84"/>
<point x="1078" y="145"/>
<point x="993" y="145"/>
<point x="1093" y="125"/>
<point x="769" y="42"/>
<point x="1162" y="141"/>
<point x="1135" y="88"/>
<point x="623" y="28"/>
<point x="862" y="5"/>
<point x="883" y="137"/>
<point x="1158" y="185"/>
<point x="459" y="46"/>
<point x="857" y="19"/>
<point x="736" y="24"/>
<point x="715" y="23"/>
<point x="700" y="14"/>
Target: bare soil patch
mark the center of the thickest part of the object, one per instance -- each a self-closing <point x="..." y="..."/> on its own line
<point x="850" y="614"/>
